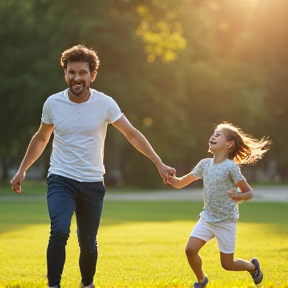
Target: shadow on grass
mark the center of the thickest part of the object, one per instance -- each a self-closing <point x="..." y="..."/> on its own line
<point x="14" y="215"/>
<point x="250" y="212"/>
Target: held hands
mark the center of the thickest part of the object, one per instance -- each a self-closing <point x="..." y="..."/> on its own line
<point x="16" y="182"/>
<point x="172" y="180"/>
<point x="166" y="172"/>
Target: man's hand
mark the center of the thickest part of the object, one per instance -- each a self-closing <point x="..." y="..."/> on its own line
<point x="166" y="171"/>
<point x="17" y="181"/>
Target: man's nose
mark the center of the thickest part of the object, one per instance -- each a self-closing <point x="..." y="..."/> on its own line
<point x="77" y="76"/>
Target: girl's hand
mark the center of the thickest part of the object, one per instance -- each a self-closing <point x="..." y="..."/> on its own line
<point x="234" y="196"/>
<point x="171" y="180"/>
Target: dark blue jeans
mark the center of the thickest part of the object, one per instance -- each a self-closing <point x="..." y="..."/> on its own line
<point x="64" y="197"/>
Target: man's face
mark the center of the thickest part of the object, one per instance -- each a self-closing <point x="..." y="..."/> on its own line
<point x="78" y="77"/>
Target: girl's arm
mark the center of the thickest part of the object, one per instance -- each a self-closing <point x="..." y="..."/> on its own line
<point x="246" y="192"/>
<point x="180" y="182"/>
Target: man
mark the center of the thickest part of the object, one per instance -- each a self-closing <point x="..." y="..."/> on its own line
<point x="78" y="117"/>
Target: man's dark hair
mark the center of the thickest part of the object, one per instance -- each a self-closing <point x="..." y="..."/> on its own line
<point x="80" y="53"/>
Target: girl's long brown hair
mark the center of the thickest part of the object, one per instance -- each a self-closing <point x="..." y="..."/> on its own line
<point x="247" y="149"/>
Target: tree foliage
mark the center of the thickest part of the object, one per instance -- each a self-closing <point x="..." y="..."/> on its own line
<point x="176" y="68"/>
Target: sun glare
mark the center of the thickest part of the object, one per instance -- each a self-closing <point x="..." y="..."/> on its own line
<point x="253" y="3"/>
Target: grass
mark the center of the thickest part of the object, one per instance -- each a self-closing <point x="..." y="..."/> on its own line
<point x="35" y="188"/>
<point x="38" y="187"/>
<point x="29" y="187"/>
<point x="141" y="245"/>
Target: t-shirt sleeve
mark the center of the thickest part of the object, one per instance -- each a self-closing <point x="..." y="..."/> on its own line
<point x="46" y="113"/>
<point x="235" y="173"/>
<point x="114" y="111"/>
<point x="197" y="171"/>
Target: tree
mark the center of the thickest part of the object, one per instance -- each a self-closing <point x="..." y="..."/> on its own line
<point x="176" y="68"/>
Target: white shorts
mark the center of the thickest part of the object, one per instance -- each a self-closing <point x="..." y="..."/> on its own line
<point x="224" y="231"/>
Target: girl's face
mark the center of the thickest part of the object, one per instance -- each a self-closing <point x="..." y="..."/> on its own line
<point x="218" y="141"/>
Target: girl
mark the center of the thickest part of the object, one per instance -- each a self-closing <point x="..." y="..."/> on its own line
<point x="222" y="180"/>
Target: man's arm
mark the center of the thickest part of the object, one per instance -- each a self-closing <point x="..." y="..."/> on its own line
<point x="138" y="140"/>
<point x="34" y="151"/>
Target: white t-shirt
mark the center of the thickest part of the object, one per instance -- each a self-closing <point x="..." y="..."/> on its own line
<point x="79" y="134"/>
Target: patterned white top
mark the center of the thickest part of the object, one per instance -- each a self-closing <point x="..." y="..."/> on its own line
<point x="218" y="179"/>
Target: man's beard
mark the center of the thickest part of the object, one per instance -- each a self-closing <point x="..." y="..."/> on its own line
<point x="78" y="92"/>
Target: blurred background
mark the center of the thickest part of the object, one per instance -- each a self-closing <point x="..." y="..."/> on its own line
<point x="176" y="69"/>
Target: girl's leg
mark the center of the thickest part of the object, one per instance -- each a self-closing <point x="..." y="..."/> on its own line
<point x="228" y="263"/>
<point x="192" y="248"/>
<point x="226" y="237"/>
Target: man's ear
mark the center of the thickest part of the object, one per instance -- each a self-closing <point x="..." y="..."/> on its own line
<point x="93" y="75"/>
<point x="65" y="72"/>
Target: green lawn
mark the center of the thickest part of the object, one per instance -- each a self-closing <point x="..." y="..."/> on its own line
<point x="28" y="187"/>
<point x="141" y="245"/>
